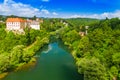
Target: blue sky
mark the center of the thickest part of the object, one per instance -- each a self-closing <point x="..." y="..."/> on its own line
<point x="61" y="8"/>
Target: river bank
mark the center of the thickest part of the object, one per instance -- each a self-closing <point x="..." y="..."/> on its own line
<point x="27" y="66"/>
<point x="29" y="53"/>
<point x="2" y="75"/>
<point x="54" y="63"/>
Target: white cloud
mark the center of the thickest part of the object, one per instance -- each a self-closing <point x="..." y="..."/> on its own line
<point x="44" y="11"/>
<point x="54" y="13"/>
<point x="10" y="7"/>
<point x="45" y="0"/>
<point x="98" y="16"/>
<point x="75" y="16"/>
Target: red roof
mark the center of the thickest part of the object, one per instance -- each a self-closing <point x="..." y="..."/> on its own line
<point x="15" y="20"/>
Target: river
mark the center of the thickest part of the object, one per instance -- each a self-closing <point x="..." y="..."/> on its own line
<point x="54" y="63"/>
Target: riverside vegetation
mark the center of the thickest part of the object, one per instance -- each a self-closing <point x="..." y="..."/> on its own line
<point x="16" y="50"/>
<point x="97" y="54"/>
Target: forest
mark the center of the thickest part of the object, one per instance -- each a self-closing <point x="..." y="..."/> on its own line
<point x="97" y="54"/>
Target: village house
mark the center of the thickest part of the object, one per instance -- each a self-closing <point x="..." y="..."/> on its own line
<point x="33" y="24"/>
<point x="64" y="22"/>
<point x="15" y="24"/>
<point x="40" y="20"/>
<point x="1" y="21"/>
<point x="81" y="33"/>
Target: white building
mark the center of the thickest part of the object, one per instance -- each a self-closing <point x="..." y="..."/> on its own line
<point x="15" y="24"/>
<point x="34" y="24"/>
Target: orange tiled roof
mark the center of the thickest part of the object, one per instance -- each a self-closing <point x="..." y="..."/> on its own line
<point x="15" y="20"/>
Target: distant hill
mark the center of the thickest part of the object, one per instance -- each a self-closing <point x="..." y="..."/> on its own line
<point x="81" y="21"/>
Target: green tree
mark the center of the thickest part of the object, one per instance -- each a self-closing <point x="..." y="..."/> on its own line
<point x="92" y="69"/>
<point x="114" y="72"/>
<point x="16" y="55"/>
<point x="34" y="17"/>
<point x="4" y="62"/>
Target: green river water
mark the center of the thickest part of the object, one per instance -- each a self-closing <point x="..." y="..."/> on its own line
<point x="53" y="63"/>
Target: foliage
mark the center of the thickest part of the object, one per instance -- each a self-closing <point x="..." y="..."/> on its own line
<point x="16" y="49"/>
<point x="16" y="55"/>
<point x="80" y="23"/>
<point x="97" y="54"/>
<point x="92" y="69"/>
<point x="4" y="62"/>
<point x="99" y="49"/>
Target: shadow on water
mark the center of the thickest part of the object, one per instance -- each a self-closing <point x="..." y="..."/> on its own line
<point x="71" y="73"/>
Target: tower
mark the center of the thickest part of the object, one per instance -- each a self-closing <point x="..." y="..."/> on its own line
<point x="86" y="28"/>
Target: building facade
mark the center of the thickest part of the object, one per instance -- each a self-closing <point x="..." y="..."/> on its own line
<point x="33" y="24"/>
<point x="15" y="24"/>
<point x="18" y="25"/>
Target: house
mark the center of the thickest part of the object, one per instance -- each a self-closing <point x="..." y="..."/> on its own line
<point x="64" y="22"/>
<point x="15" y="24"/>
<point x="1" y="21"/>
<point x="41" y="20"/>
<point x="85" y="32"/>
<point x="33" y="24"/>
<point x="82" y="34"/>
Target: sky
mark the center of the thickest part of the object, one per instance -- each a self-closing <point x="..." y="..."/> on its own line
<point x="61" y="8"/>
